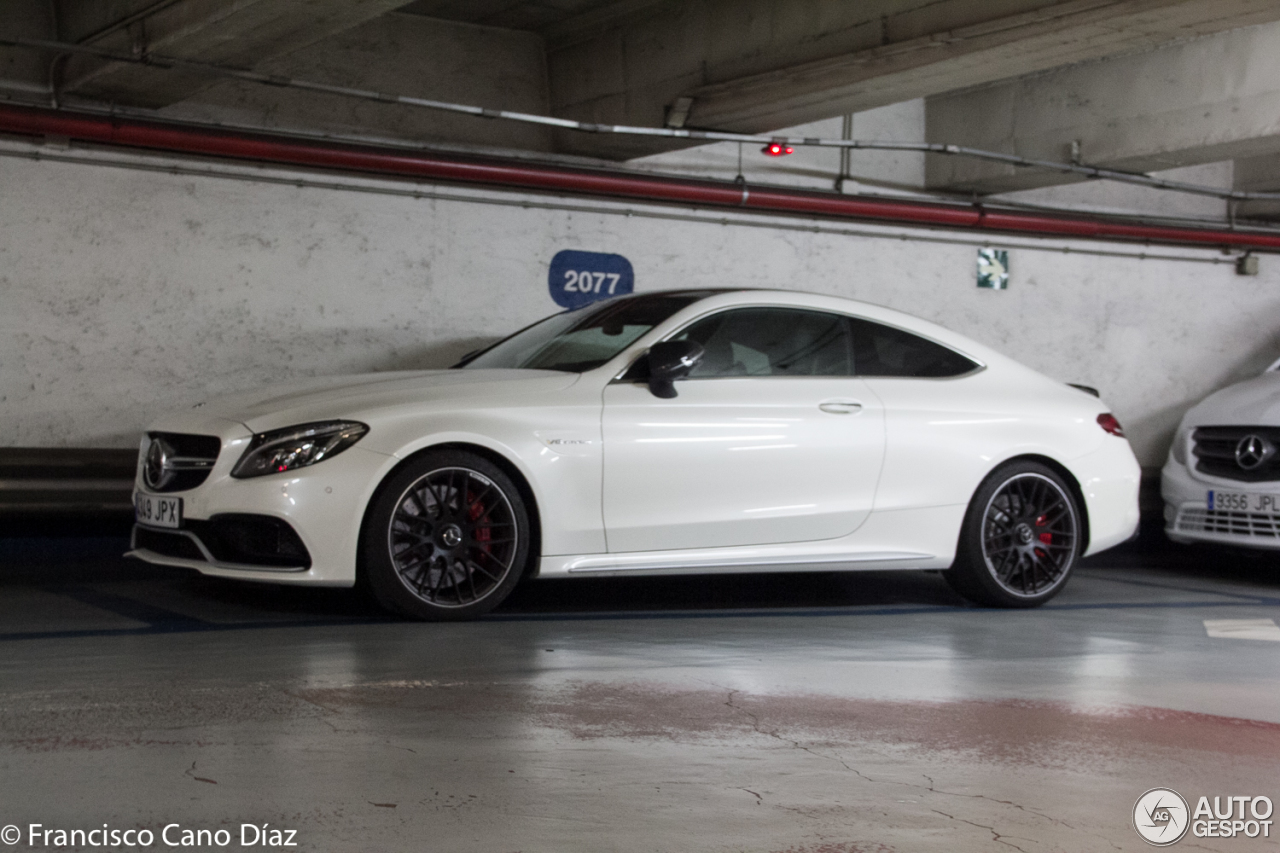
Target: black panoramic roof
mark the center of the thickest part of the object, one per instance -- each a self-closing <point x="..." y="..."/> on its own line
<point x="693" y="294"/>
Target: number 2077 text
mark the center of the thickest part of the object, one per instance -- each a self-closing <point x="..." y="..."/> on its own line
<point x="589" y="282"/>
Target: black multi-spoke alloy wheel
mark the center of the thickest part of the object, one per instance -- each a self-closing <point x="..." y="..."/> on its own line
<point x="446" y="538"/>
<point x="1021" y="538"/>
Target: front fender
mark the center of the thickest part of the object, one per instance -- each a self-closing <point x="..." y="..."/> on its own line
<point x="562" y="467"/>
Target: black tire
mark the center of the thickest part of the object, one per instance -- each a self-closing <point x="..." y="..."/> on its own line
<point x="1022" y="536"/>
<point x="446" y="538"/>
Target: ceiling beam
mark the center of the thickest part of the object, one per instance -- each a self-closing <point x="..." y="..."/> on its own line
<point x="1202" y="101"/>
<point x="965" y="55"/>
<point x="240" y="33"/>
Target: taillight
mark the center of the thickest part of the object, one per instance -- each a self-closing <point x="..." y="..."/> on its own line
<point x="1108" y="422"/>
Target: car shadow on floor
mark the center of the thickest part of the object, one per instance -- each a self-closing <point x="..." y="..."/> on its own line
<point x="1154" y="552"/>
<point x="82" y="560"/>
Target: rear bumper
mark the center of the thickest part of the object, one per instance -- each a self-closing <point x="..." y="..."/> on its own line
<point x="1109" y="479"/>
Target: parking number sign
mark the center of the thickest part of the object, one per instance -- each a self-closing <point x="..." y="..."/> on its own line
<point x="580" y="278"/>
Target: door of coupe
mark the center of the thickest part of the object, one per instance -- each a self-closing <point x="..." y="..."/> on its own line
<point x="770" y="439"/>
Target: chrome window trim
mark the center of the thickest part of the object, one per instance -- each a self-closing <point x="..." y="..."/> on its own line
<point x="979" y="364"/>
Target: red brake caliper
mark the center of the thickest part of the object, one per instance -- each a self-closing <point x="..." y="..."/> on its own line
<point x="482" y="534"/>
<point x="1046" y="538"/>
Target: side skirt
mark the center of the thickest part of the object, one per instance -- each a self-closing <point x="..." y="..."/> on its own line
<point x="902" y="539"/>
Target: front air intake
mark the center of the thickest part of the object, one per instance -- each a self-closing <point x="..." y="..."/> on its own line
<point x="239" y="540"/>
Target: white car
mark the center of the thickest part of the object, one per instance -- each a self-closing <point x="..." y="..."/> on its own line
<point x="682" y="432"/>
<point x="1221" y="482"/>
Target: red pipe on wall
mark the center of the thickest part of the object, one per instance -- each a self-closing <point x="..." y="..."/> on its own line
<point x="287" y="151"/>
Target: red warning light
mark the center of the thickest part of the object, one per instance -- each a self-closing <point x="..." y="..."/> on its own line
<point x="777" y="149"/>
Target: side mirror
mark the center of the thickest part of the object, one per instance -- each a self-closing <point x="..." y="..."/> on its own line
<point x="669" y="361"/>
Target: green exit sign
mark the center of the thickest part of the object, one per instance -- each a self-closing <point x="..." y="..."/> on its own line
<point x="993" y="268"/>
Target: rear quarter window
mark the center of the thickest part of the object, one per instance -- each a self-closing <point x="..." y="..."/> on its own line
<point x="880" y="350"/>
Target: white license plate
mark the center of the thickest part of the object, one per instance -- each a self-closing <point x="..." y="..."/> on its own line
<point x="1242" y="502"/>
<point x="155" y="511"/>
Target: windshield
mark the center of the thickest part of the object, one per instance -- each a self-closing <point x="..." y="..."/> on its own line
<point x="585" y="338"/>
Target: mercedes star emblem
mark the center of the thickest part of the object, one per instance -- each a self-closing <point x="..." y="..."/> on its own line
<point x="1252" y="451"/>
<point x="157" y="471"/>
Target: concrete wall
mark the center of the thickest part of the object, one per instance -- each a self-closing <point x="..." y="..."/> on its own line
<point x="124" y="293"/>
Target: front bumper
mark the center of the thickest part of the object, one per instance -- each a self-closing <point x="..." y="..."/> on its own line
<point x="322" y="505"/>
<point x="1189" y="518"/>
<point x="241" y="541"/>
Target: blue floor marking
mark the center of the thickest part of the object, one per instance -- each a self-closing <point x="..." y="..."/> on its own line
<point x="196" y="626"/>
<point x="183" y="628"/>
<point x="1179" y="588"/>
<point x="849" y="611"/>
<point x="129" y="608"/>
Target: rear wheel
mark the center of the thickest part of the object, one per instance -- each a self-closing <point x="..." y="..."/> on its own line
<point x="447" y="538"/>
<point x="1021" y="538"/>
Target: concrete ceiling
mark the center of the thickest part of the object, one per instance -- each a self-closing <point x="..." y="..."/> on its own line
<point x="555" y="20"/>
<point x="240" y="34"/>
<point x="746" y="65"/>
<point x="1203" y="101"/>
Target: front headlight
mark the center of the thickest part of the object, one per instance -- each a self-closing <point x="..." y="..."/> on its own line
<point x="296" y="447"/>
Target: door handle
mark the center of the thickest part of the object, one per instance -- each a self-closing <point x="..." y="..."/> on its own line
<point x="841" y="407"/>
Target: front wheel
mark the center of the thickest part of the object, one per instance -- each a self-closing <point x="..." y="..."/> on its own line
<point x="1021" y="538"/>
<point x="446" y="538"/>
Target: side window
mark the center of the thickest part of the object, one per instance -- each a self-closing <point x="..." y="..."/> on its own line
<point x="885" y="351"/>
<point x="772" y="342"/>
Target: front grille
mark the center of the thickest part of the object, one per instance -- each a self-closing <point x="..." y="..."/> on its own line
<point x="190" y="462"/>
<point x="1264" y="525"/>
<point x="1215" y="452"/>
<point x="239" y="538"/>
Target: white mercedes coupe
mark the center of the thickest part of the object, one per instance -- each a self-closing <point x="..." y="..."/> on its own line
<point x="680" y="432"/>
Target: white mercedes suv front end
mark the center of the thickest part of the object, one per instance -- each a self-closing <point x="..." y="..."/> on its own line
<point x="1221" y="482"/>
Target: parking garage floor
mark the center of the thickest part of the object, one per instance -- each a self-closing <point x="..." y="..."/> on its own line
<point x="805" y="714"/>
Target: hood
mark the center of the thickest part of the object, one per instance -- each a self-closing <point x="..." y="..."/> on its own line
<point x="363" y="396"/>
<point x="1254" y="402"/>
